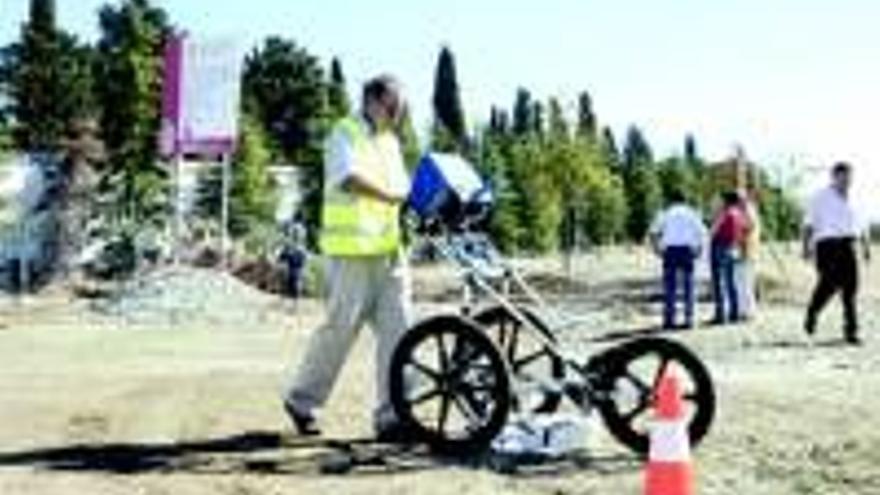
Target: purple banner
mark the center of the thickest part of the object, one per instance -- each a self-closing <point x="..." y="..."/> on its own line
<point x="200" y="97"/>
<point x="171" y="95"/>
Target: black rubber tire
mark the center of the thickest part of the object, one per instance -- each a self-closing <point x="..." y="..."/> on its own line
<point x="473" y="356"/>
<point x="615" y="364"/>
<point x="498" y="322"/>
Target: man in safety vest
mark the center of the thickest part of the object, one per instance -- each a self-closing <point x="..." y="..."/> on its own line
<point x="367" y="276"/>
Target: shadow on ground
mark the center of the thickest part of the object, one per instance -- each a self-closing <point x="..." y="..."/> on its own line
<point x="271" y="453"/>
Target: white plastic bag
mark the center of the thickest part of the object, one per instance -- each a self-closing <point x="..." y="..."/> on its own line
<point x="550" y="435"/>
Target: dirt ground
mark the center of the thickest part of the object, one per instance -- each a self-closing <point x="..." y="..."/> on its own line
<point x="92" y="403"/>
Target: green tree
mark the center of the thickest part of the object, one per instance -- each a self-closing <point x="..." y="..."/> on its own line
<point x="337" y="94"/>
<point x="610" y="154"/>
<point x="5" y="118"/>
<point x="696" y="166"/>
<point x="557" y="125"/>
<point x="128" y="87"/>
<point x="538" y="124"/>
<point x="778" y="208"/>
<point x="499" y="121"/>
<point x="523" y="122"/>
<point x="586" y="119"/>
<point x="252" y="196"/>
<point x="449" y="120"/>
<point x="505" y="225"/>
<point x="643" y="190"/>
<point x="252" y="192"/>
<point x="675" y="175"/>
<point x="409" y="141"/>
<point x="47" y="74"/>
<point x="604" y="195"/>
<point x="287" y="87"/>
<point x="691" y="155"/>
<point x="604" y="218"/>
<point x="534" y="174"/>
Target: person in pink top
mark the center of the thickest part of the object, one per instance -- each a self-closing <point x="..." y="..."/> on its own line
<point x="728" y="237"/>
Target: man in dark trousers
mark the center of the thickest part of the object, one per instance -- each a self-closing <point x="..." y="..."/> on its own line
<point x="678" y="237"/>
<point x="831" y="231"/>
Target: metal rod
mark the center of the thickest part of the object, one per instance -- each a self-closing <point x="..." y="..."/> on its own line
<point x="224" y="215"/>
<point x="178" y="207"/>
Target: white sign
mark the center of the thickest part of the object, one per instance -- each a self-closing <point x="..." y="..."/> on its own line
<point x="201" y="97"/>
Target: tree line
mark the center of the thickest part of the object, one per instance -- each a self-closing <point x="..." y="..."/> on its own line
<point x="559" y="181"/>
<point x="563" y="182"/>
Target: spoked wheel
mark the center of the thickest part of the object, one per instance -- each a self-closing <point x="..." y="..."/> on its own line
<point x="449" y="384"/>
<point x="628" y="376"/>
<point x="532" y="361"/>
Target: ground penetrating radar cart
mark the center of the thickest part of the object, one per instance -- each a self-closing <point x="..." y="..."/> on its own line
<point x="455" y="378"/>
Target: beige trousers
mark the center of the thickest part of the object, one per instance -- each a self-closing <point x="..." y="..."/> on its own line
<point x="374" y="290"/>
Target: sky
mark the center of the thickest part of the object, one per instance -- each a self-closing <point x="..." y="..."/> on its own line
<point x="792" y="81"/>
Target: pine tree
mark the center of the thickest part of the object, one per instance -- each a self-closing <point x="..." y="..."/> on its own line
<point x="586" y="121"/>
<point x="691" y="156"/>
<point x="505" y="224"/>
<point x="535" y="174"/>
<point x="701" y="192"/>
<point x="523" y="122"/>
<point x="48" y="77"/>
<point x="604" y="218"/>
<point x="499" y="123"/>
<point x="610" y="153"/>
<point x="675" y="176"/>
<point x="251" y="190"/>
<point x="252" y="194"/>
<point x="448" y="113"/>
<point x="409" y="141"/>
<point x="538" y="123"/>
<point x="128" y="85"/>
<point x="641" y="184"/>
<point x="337" y="94"/>
<point x="287" y="87"/>
<point x="289" y="93"/>
<point x="558" y="126"/>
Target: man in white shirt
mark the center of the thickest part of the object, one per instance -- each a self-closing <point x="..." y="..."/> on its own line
<point x="831" y="231"/>
<point x="678" y="235"/>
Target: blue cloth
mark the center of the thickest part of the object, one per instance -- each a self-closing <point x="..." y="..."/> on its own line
<point x="678" y="269"/>
<point x="725" y="267"/>
<point x="295" y="259"/>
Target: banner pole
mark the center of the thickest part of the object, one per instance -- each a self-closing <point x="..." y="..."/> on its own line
<point x="224" y="215"/>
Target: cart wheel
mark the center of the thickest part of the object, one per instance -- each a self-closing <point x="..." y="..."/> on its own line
<point x="449" y="385"/>
<point x="627" y="377"/>
<point x="533" y="363"/>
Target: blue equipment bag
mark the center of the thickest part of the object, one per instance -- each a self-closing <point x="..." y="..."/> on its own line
<point x="447" y="189"/>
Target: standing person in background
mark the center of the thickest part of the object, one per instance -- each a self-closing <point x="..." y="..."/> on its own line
<point x="746" y="282"/>
<point x="294" y="256"/>
<point x="831" y="231"/>
<point x="367" y="274"/>
<point x="678" y="235"/>
<point x="728" y="237"/>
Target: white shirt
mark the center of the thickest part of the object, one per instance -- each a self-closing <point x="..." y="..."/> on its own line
<point x="679" y="225"/>
<point x="830" y="215"/>
<point x="385" y="151"/>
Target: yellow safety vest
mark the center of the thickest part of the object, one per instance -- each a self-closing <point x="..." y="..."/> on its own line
<point x="355" y="224"/>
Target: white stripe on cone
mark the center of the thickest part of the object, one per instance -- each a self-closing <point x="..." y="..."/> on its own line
<point x="669" y="442"/>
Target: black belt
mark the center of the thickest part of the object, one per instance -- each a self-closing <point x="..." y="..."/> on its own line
<point x="837" y="240"/>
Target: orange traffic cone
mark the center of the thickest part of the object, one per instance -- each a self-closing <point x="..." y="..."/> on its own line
<point x="669" y="470"/>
